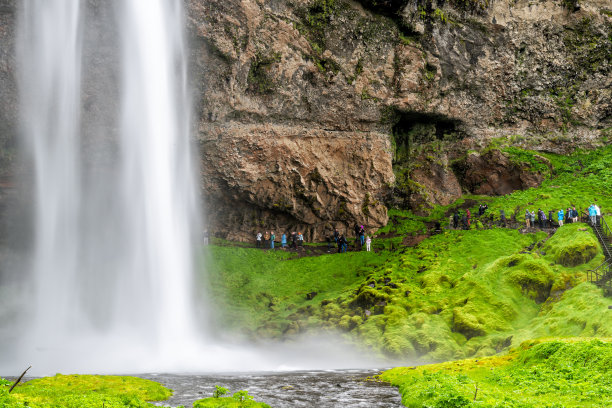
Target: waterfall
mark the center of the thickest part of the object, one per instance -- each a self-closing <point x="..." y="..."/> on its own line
<point x="108" y="281"/>
<point x="115" y="204"/>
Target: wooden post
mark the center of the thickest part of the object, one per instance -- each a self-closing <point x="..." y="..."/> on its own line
<point x="19" y="379"/>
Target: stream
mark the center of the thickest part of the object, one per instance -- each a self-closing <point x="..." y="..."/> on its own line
<point x="320" y="389"/>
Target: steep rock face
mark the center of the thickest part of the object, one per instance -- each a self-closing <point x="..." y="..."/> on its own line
<point x="289" y="88"/>
<point x="304" y="106"/>
<point x="287" y="178"/>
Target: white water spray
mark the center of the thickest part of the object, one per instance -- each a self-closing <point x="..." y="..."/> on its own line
<point x="109" y="287"/>
<point x="112" y="260"/>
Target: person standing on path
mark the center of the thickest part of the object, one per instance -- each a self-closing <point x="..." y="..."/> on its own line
<point x="502" y="218"/>
<point x="532" y="218"/>
<point x="272" y="238"/>
<point x="294" y="240"/>
<point x="540" y="219"/>
<point x="283" y="240"/>
<point x="266" y="241"/>
<point x="258" y="240"/>
<point x="598" y="213"/>
<point x="560" y="217"/>
<point x="368" y="243"/>
<point x="550" y="218"/>
<point x="593" y="214"/>
<point x="527" y="218"/>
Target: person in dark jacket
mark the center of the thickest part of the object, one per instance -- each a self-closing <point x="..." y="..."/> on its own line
<point x="502" y="218"/>
<point x="540" y="215"/>
<point x="550" y="218"/>
<point x="455" y="220"/>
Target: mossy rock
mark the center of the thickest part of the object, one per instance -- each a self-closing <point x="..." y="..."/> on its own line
<point x="368" y="297"/>
<point x="577" y="253"/>
<point x="534" y="278"/>
<point x="572" y="245"/>
<point x="467" y="324"/>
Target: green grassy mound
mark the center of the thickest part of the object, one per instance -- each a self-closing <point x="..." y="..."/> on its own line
<point x="573" y="245"/>
<point x="240" y="399"/>
<point x="83" y="391"/>
<point x="551" y="374"/>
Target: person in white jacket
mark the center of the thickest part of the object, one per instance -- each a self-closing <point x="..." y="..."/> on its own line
<point x="368" y="242"/>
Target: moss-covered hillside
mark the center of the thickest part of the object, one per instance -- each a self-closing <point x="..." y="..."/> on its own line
<point x="552" y="374"/>
<point x="457" y="294"/>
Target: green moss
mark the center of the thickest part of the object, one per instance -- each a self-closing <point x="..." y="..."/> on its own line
<point x="85" y="391"/>
<point x="240" y="399"/>
<point x="573" y="374"/>
<point x="573" y="245"/>
<point x="258" y="79"/>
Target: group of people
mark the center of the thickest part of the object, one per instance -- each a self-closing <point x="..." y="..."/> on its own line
<point x="464" y="220"/>
<point x="342" y="243"/>
<point x="533" y="219"/>
<point x="296" y="240"/>
<point x="570" y="215"/>
<point x="267" y="240"/>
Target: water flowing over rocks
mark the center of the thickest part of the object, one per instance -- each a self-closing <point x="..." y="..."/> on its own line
<point x="298" y="102"/>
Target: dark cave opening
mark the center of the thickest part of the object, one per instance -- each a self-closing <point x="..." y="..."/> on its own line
<point x="413" y="128"/>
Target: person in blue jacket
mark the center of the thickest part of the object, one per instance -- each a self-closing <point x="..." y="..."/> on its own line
<point x="283" y="240"/>
<point x="560" y="217"/>
<point x="593" y="214"/>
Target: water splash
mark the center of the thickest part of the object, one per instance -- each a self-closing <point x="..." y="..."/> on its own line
<point x="106" y="119"/>
<point x="112" y="259"/>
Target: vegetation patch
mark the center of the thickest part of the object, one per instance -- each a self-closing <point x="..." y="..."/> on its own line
<point x="240" y="399"/>
<point x="572" y="373"/>
<point x="573" y="245"/>
<point x="258" y="79"/>
<point x="455" y="294"/>
<point x="83" y="391"/>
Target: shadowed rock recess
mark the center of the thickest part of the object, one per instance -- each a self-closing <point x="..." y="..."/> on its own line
<point x="322" y="113"/>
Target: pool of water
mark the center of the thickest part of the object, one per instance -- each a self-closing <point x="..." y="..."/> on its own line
<point x="320" y="389"/>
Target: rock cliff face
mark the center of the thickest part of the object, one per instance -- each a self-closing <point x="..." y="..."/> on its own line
<point x="313" y="114"/>
<point x="304" y="105"/>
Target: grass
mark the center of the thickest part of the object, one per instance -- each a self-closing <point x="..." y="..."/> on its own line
<point x="457" y="294"/>
<point x="240" y="399"/>
<point x="83" y="391"/>
<point x="259" y="290"/>
<point x="538" y="374"/>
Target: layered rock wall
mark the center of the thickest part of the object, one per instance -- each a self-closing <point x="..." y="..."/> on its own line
<point x="293" y="88"/>
<point x="319" y="114"/>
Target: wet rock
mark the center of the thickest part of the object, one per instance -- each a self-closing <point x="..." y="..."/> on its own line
<point x="311" y="295"/>
<point x="493" y="173"/>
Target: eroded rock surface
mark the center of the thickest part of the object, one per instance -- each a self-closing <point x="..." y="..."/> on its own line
<point x="291" y="89"/>
<point x="302" y="105"/>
